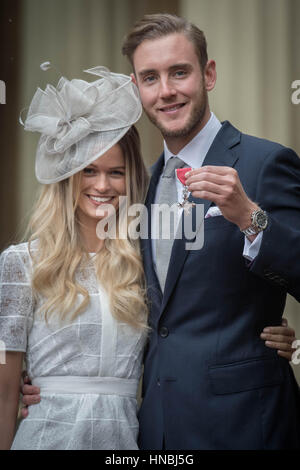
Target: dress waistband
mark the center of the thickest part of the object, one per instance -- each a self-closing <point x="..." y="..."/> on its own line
<point x="97" y="385"/>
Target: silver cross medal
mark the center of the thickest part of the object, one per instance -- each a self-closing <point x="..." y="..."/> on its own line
<point x="186" y="205"/>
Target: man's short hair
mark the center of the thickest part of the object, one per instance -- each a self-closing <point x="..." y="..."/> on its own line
<point x="162" y="24"/>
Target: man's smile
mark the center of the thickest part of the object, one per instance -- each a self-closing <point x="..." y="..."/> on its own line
<point x="172" y="108"/>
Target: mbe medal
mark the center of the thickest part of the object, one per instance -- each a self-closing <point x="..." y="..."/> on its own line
<point x="186" y="205"/>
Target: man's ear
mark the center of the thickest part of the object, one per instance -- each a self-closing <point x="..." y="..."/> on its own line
<point x="210" y="75"/>
<point x="133" y="78"/>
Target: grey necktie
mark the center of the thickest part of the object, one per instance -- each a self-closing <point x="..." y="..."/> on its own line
<point x="167" y="195"/>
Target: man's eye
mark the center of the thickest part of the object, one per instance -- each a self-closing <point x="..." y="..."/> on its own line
<point x="149" y="79"/>
<point x="180" y="73"/>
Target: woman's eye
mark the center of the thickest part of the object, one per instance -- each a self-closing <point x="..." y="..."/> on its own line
<point x="117" y="172"/>
<point x="88" y="171"/>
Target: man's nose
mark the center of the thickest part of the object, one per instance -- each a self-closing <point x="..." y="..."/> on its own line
<point x="166" y="89"/>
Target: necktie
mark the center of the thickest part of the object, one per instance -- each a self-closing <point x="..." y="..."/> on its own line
<point x="167" y="227"/>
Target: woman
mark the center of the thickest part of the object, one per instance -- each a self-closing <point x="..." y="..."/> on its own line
<point x="74" y="304"/>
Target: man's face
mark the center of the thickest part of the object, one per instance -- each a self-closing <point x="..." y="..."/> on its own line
<point x="172" y="87"/>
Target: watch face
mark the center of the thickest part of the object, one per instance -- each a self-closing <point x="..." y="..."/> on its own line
<point x="261" y="219"/>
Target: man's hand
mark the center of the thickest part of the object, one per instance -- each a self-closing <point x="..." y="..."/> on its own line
<point x="222" y="185"/>
<point x="281" y="338"/>
<point x="30" y="395"/>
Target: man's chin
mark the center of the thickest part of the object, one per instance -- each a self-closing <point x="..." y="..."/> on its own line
<point x="172" y="131"/>
<point x="179" y="130"/>
<point x="185" y="129"/>
<point x="182" y="131"/>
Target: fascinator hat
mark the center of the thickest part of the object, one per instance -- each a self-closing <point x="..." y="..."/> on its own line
<point x="79" y="121"/>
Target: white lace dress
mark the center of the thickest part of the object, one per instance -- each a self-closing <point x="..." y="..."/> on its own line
<point x="70" y="361"/>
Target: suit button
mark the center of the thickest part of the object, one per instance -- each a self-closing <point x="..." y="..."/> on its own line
<point x="163" y="331"/>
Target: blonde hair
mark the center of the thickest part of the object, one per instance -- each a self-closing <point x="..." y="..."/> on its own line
<point x="61" y="254"/>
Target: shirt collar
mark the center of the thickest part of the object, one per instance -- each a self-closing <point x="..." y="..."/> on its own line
<point x="194" y="152"/>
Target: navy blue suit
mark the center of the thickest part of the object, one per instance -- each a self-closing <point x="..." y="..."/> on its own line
<point x="210" y="382"/>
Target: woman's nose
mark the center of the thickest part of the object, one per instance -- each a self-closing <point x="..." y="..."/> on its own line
<point x="102" y="183"/>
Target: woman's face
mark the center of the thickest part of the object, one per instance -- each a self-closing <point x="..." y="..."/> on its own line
<point x="102" y="182"/>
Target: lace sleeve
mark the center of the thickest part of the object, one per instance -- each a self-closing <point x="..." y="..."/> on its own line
<point x="16" y="304"/>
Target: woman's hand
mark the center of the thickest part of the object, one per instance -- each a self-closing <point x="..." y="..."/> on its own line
<point x="281" y="338"/>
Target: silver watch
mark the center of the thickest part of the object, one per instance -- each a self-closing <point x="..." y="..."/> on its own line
<point x="259" y="221"/>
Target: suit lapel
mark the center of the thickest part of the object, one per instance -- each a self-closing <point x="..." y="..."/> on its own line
<point x="221" y="153"/>
<point x="146" y="244"/>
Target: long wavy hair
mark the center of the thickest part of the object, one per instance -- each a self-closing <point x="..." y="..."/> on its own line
<point x="60" y="253"/>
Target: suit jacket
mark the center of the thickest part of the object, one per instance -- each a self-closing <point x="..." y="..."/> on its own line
<point x="209" y="381"/>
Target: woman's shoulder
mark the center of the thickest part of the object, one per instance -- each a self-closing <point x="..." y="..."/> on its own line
<point x="16" y="249"/>
<point x="17" y="256"/>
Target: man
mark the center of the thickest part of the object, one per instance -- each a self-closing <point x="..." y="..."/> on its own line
<point x="209" y="378"/>
<point x="209" y="382"/>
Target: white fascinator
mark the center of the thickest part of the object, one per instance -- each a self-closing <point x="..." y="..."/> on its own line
<point x="79" y="121"/>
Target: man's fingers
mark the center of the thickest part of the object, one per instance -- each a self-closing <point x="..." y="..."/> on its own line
<point x="217" y="170"/>
<point x="30" y="390"/>
<point x="284" y="322"/>
<point x="206" y="186"/>
<point x="206" y="177"/>
<point x="24" y="412"/>
<point x="31" y="399"/>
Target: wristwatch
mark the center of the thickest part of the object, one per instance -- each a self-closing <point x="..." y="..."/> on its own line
<point x="259" y="221"/>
